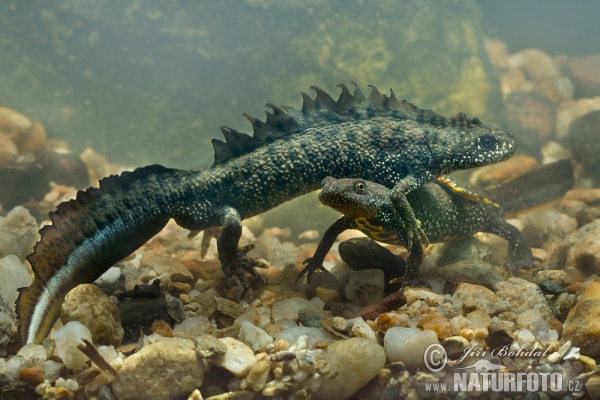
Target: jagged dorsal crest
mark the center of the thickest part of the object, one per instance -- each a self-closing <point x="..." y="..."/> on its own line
<point x="323" y="110"/>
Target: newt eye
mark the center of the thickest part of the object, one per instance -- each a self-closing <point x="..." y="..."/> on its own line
<point x="359" y="187"/>
<point x="487" y="142"/>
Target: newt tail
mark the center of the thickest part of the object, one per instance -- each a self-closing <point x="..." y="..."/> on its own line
<point x="100" y="227"/>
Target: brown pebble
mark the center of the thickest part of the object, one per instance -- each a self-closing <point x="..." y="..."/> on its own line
<point x="499" y="338"/>
<point x="179" y="277"/>
<point x="556" y="325"/>
<point x="176" y="289"/>
<point x="33" y="139"/>
<point x="162" y="328"/>
<point x="33" y="375"/>
<point x="388" y="303"/>
<point x="87" y="376"/>
<point x="319" y="345"/>
<point x="128" y="349"/>
<point x="60" y="393"/>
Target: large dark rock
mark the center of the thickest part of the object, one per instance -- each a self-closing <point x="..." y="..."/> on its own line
<point x="365" y="253"/>
<point x="583" y="140"/>
<point x="138" y="315"/>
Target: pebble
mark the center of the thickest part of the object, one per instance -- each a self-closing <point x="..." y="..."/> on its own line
<point x="18" y="233"/>
<point x="254" y="336"/>
<point x="582" y="205"/>
<point x="365" y="287"/>
<point x="328" y="295"/>
<point x="159" y="371"/>
<point x="208" y="346"/>
<point x="352" y="363"/>
<point x="14" y="275"/>
<point x="583" y="72"/>
<point x="163" y="263"/>
<point x="289" y="308"/>
<point x="550" y="287"/>
<point x="140" y="314"/>
<point x="536" y="64"/>
<point x="408" y="345"/>
<point x="455" y="346"/>
<point x="33" y="375"/>
<point x="52" y="370"/>
<point x="522" y="295"/>
<point x="87" y="304"/>
<point x="238" y="359"/>
<point x="257" y="377"/>
<point x="260" y="316"/>
<point x="67" y="339"/>
<point x="32" y="355"/>
<point x="557" y="276"/>
<point x="366" y="254"/>
<point x="323" y="280"/>
<point x="192" y="327"/>
<point x="468" y="297"/>
<point x="582" y="138"/>
<point x="430" y="298"/>
<point x="8" y="325"/>
<point x="361" y="329"/>
<point x="292" y="334"/>
<point x="585" y="248"/>
<point x="12" y="122"/>
<point x="111" y="275"/>
<point x="437" y="323"/>
<point x="582" y="327"/>
<point x="8" y="149"/>
<point x="465" y="249"/>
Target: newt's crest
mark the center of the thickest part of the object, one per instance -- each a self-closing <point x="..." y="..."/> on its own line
<point x="324" y="110"/>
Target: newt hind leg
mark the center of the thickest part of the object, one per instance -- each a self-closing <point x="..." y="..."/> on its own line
<point x="451" y="184"/>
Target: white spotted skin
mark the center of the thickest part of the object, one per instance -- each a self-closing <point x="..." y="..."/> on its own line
<point x="380" y="149"/>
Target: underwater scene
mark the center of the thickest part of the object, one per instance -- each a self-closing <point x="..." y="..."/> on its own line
<point x="320" y="199"/>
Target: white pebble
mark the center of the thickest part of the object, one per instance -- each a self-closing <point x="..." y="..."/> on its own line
<point x="193" y="327"/>
<point x="52" y="370"/>
<point x="108" y="353"/>
<point x="13" y="366"/>
<point x="260" y="316"/>
<point x="253" y="336"/>
<point x="431" y="299"/>
<point x="238" y="359"/>
<point x="14" y="275"/>
<point x="72" y="385"/>
<point x="361" y="329"/>
<point x="288" y="308"/>
<point x="110" y="276"/>
<point x="67" y="338"/>
<point x="366" y="286"/>
<point x="408" y="345"/>
<point x="525" y="337"/>
<point x="318" y="302"/>
<point x="33" y="354"/>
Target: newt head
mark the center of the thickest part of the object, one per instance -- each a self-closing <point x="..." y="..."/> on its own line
<point x="469" y="143"/>
<point x="353" y="197"/>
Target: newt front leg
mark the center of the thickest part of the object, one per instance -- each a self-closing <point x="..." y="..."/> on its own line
<point x="414" y="233"/>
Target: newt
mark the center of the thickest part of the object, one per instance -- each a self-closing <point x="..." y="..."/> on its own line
<point x="378" y="137"/>
<point x="444" y="213"/>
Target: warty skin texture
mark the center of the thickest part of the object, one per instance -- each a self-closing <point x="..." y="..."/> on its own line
<point x="444" y="214"/>
<point x="378" y="138"/>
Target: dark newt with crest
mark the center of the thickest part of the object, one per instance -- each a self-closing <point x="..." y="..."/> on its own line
<point x="377" y="137"/>
<point x="444" y="213"/>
